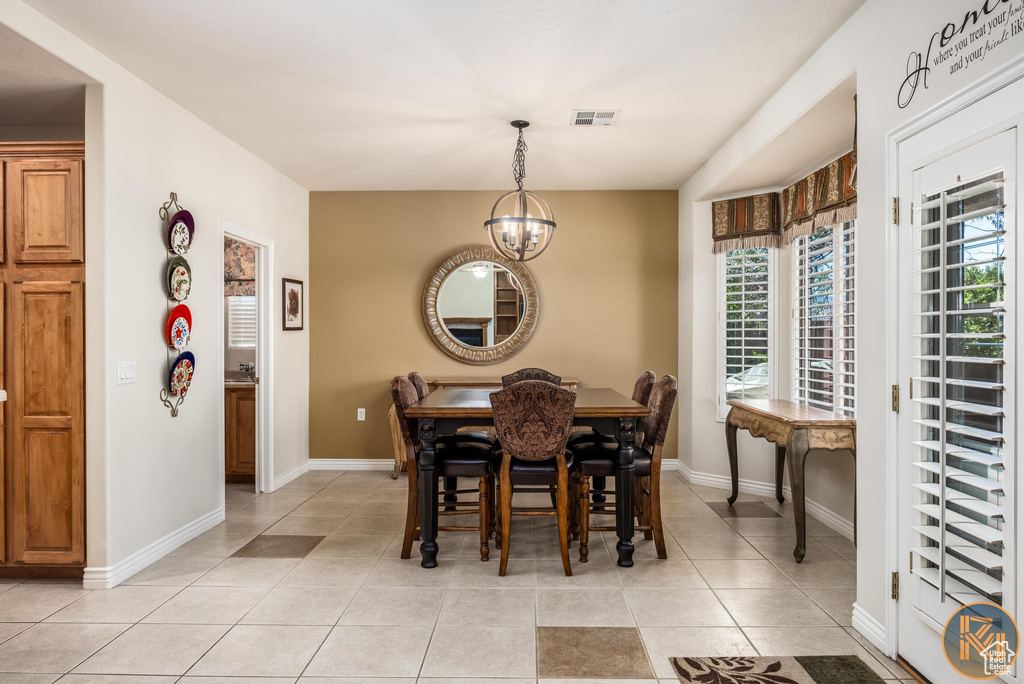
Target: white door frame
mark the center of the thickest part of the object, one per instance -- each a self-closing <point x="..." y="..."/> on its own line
<point x="980" y="89"/>
<point x="264" y="355"/>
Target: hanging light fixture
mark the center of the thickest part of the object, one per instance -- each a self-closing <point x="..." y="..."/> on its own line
<point x="521" y="223"/>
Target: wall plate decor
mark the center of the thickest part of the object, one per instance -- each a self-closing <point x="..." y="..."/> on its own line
<point x="179" y="279"/>
<point x="292" y="307"/>
<point x="179" y="327"/>
<point x="180" y="230"/>
<point x="180" y="378"/>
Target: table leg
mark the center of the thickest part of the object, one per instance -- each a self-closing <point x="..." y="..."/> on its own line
<point x="427" y="463"/>
<point x="730" y="444"/>
<point x="780" y="468"/>
<point x="624" y="478"/>
<point x="796" y="450"/>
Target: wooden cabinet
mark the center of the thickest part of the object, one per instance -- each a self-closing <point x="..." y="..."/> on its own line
<point x="240" y="433"/>
<point x="42" y="360"/>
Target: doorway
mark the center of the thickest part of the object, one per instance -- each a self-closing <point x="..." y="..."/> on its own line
<point x="248" y="366"/>
<point x="958" y="341"/>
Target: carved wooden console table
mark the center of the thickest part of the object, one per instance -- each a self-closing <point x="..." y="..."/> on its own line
<point x="795" y="430"/>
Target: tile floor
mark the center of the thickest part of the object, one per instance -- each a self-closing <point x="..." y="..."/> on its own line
<point x="307" y="583"/>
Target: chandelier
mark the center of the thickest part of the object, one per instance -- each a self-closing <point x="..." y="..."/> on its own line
<point x="521" y="223"/>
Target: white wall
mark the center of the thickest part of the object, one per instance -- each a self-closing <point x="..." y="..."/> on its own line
<point x="148" y="474"/>
<point x="874" y="43"/>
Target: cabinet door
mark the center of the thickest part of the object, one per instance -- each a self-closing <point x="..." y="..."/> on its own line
<point x="44" y="211"/>
<point x="240" y="431"/>
<point x="47" y="446"/>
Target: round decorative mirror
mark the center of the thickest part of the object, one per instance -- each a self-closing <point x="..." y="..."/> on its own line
<point x="480" y="307"/>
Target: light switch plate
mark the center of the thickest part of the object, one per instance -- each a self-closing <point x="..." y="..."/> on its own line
<point x="125" y="372"/>
<point x="360" y="414"/>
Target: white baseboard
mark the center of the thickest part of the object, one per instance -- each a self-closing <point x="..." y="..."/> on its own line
<point x="870" y="628"/>
<point x="826" y="515"/>
<point x="108" y="578"/>
<point x="351" y="464"/>
<point x="670" y="464"/>
<point x="284" y="479"/>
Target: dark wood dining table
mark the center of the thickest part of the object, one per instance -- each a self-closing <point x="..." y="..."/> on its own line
<point x="444" y="411"/>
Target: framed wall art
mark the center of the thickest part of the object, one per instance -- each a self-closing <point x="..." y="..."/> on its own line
<point x="292" y="304"/>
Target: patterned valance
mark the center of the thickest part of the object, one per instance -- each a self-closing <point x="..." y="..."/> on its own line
<point x="746" y="222"/>
<point x="824" y="198"/>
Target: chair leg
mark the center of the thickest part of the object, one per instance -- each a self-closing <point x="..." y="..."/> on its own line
<point x="492" y="517"/>
<point x="645" y="505"/>
<point x="450" y="485"/>
<point x="584" y="504"/>
<point x="659" y="532"/>
<point x="498" y="489"/>
<point x="412" y="508"/>
<point x="554" y="497"/>
<point x="574" y="509"/>
<point x="506" y="512"/>
<point x="485" y="515"/>
<point x="638" y="509"/>
<point x="562" y="511"/>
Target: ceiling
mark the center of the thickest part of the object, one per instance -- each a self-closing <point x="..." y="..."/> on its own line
<point x="36" y="88"/>
<point x="417" y="94"/>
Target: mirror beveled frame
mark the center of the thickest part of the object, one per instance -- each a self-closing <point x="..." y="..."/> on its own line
<point x="479" y="355"/>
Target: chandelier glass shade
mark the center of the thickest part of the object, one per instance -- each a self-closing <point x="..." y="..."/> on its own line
<point x="521" y="224"/>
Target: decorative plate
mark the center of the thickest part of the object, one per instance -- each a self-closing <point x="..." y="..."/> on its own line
<point x="180" y="377"/>
<point x="179" y="327"/>
<point x="180" y="229"/>
<point x="179" y="279"/>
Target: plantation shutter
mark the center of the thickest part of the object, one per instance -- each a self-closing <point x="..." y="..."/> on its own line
<point x="745" y="319"/>
<point x="242" y="322"/>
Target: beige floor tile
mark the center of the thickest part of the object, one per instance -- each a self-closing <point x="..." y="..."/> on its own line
<point x="240" y="524"/>
<point x="840" y="544"/>
<point x="9" y="629"/>
<point x="716" y="494"/>
<point x="450" y="546"/>
<point x="663" y="643"/>
<point x="819" y="574"/>
<point x="658" y="606"/>
<point x="304" y="525"/>
<point x="680" y="574"/>
<point x="489" y="606"/>
<point x="764" y="527"/>
<point x="119" y="605"/>
<point x="342" y="495"/>
<point x="262" y="650"/>
<point x="592" y="574"/>
<point x="583" y="608"/>
<point x="371" y="525"/>
<point x="408" y="573"/>
<point x="266" y="506"/>
<point x="248" y="572"/>
<point x="34" y="602"/>
<point x="772" y="608"/>
<point x="239" y="680"/>
<point x="550" y="680"/>
<point x="492" y="652"/>
<point x="838" y="603"/>
<point x="324" y="572"/>
<point x="817" y="528"/>
<point x="212" y="545"/>
<point x="300" y="606"/>
<point x="115" y="679"/>
<point x="796" y="641"/>
<point x="55" y="647"/>
<point x="391" y="494"/>
<point x="684" y="528"/>
<point x="351" y="546"/>
<point x="394" y="606"/>
<point x="742" y="574"/>
<point x="686" y="509"/>
<point x="643" y="549"/>
<point x="22" y="678"/>
<point x="474" y="573"/>
<point x="365" y="680"/>
<point x="892" y="667"/>
<point x="325" y="509"/>
<point x="208" y="605"/>
<point x="175" y="571"/>
<point x="371" y="651"/>
<point x="606" y="652"/>
<point x="154" y="650"/>
<point x="729" y="547"/>
<point x="371" y="509"/>
<point x="782" y="548"/>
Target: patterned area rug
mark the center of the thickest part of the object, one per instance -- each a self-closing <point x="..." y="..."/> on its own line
<point x="776" y="670"/>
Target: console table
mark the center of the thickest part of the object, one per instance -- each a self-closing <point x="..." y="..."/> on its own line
<point x="795" y="430"/>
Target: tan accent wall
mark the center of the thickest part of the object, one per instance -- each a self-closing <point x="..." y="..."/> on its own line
<point x="608" y="295"/>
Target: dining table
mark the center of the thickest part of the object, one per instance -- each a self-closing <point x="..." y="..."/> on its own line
<point x="444" y="411"/>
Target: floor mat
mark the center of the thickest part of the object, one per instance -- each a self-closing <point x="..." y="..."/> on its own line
<point x="776" y="670"/>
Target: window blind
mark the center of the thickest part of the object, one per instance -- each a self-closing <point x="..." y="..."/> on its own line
<point x="242" y="322"/>
<point x="745" y="309"/>
<point x="824" y="303"/>
<point x="962" y="391"/>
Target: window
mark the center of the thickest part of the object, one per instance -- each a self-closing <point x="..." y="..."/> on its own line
<point x="823" y="319"/>
<point x="745" y="323"/>
<point x="242" y="322"/>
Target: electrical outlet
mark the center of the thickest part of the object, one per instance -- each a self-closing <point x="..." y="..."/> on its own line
<point x="125" y="372"/>
<point x="360" y="414"/>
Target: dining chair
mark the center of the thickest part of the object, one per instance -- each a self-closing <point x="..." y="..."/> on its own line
<point x="597" y="459"/>
<point x="422" y="388"/>
<point x="456" y="457"/>
<point x="530" y="374"/>
<point x="533" y="419"/>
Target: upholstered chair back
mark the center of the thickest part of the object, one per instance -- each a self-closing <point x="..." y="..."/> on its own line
<point x="643" y="386"/>
<point x="530" y="374"/>
<point x="661" y="403"/>
<point x="533" y="419"/>
<point x="403" y="394"/>
<point x="422" y="390"/>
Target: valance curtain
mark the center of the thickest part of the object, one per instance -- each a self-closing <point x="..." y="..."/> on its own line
<point x="746" y="222"/>
<point x="824" y="198"/>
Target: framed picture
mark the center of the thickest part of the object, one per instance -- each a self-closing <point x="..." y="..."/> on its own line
<point x="292" y="307"/>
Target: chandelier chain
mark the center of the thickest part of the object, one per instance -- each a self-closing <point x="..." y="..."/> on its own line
<point x="519" y="160"/>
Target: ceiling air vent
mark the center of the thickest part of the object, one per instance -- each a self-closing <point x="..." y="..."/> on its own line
<point x="592" y="117"/>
